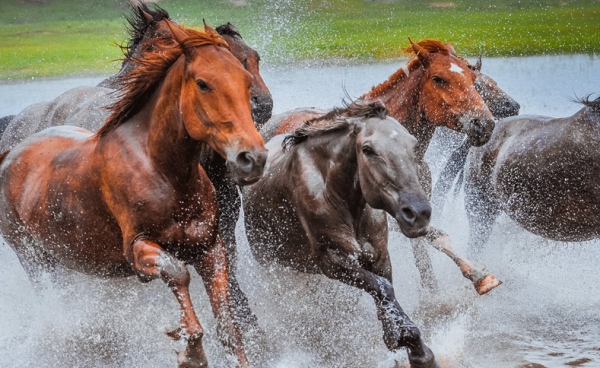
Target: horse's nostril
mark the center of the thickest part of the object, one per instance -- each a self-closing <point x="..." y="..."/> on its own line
<point x="245" y="161"/>
<point x="409" y="215"/>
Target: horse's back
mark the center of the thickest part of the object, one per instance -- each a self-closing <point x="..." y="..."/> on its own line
<point x="82" y="106"/>
<point x="289" y="121"/>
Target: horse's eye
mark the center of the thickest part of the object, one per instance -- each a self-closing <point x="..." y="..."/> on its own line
<point x="437" y="80"/>
<point x="368" y="150"/>
<point x="245" y="64"/>
<point x="204" y="87"/>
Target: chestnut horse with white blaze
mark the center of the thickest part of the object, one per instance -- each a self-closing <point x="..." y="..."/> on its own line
<point x="132" y="199"/>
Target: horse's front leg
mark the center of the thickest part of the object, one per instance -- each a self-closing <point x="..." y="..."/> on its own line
<point x="229" y="202"/>
<point x="213" y="267"/>
<point x="482" y="281"/>
<point x="150" y="261"/>
<point x="398" y="329"/>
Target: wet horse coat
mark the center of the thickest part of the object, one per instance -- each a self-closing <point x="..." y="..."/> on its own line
<point x="435" y="88"/>
<point x="543" y="172"/>
<point x="320" y="206"/>
<point x="132" y="199"/>
<point x="86" y="107"/>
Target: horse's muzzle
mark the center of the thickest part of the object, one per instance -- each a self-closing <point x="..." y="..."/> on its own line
<point x="248" y="167"/>
<point x="479" y="130"/>
<point x="413" y="218"/>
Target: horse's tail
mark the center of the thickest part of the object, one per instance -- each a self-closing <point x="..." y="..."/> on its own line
<point x="453" y="167"/>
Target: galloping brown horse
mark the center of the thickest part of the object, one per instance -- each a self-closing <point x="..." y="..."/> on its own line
<point x="543" y="172"/>
<point x="320" y="206"/>
<point x="435" y="88"/>
<point x="85" y="107"/>
<point x="132" y="199"/>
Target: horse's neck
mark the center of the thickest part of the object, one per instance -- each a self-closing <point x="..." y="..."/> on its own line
<point x="400" y="95"/>
<point x="342" y="185"/>
<point x="169" y="145"/>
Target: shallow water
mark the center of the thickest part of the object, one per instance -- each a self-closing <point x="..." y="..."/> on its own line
<point x="545" y="313"/>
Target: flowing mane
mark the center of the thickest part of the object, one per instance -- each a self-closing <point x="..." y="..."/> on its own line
<point x="151" y="68"/>
<point x="139" y="25"/>
<point x="430" y="45"/>
<point x="593" y="104"/>
<point x="334" y="120"/>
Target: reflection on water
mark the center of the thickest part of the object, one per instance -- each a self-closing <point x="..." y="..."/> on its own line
<point x="544" y="315"/>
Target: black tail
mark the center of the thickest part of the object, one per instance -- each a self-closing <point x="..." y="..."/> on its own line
<point x="454" y="166"/>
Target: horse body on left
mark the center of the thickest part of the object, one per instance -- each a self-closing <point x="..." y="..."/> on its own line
<point x="132" y="198"/>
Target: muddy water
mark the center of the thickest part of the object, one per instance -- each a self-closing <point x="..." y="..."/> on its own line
<point x="546" y="314"/>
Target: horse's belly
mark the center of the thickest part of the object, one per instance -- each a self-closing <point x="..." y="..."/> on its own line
<point x="553" y="205"/>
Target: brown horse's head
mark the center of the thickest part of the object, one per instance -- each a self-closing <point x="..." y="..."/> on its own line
<point x="501" y="105"/>
<point x="260" y="96"/>
<point x="214" y="103"/>
<point x="448" y="96"/>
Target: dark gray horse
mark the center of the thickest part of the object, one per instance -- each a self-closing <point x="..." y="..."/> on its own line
<point x="543" y="172"/>
<point x="321" y="208"/>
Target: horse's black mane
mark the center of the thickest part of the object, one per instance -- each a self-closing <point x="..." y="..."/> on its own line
<point x="228" y="30"/>
<point x="593" y="104"/>
<point x="138" y="24"/>
<point x="334" y="120"/>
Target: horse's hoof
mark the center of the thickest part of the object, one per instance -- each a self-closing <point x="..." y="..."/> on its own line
<point x="175" y="334"/>
<point x="195" y="360"/>
<point x="486" y="283"/>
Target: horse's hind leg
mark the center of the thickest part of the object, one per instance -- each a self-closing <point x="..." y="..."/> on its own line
<point x="214" y="269"/>
<point x="151" y="261"/>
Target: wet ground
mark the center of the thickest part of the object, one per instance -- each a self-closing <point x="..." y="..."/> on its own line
<point x="546" y="314"/>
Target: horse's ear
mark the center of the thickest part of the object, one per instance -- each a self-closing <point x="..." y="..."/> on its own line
<point x="207" y="28"/>
<point x="451" y="49"/>
<point x="477" y="67"/>
<point x="421" y="53"/>
<point x="147" y="16"/>
<point x="179" y="34"/>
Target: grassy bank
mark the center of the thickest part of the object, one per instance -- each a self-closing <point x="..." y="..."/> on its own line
<point x="40" y="38"/>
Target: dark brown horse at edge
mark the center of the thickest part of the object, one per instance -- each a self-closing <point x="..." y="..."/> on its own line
<point x="321" y="208"/>
<point x="85" y="107"/>
<point x="543" y="172"/>
<point x="132" y="199"/>
<point x="436" y="88"/>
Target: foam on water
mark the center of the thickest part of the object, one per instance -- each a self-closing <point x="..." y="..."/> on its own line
<point x="544" y="313"/>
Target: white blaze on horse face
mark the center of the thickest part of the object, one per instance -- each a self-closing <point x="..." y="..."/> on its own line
<point x="455" y="68"/>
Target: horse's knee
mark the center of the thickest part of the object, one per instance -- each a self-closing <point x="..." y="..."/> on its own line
<point x="175" y="273"/>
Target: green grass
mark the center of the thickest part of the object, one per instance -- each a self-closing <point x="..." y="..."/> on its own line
<point x="42" y="38"/>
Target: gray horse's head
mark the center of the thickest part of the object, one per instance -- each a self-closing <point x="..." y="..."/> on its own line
<point x="388" y="173"/>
